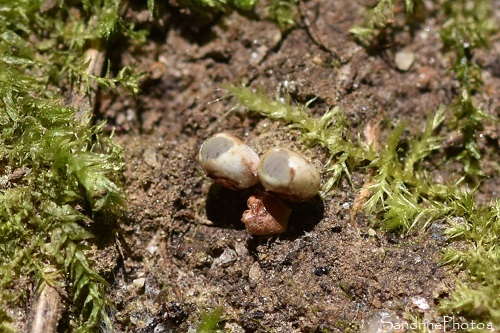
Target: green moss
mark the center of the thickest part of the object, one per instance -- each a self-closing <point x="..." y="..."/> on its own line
<point x="283" y="12"/>
<point x="209" y="7"/>
<point x="479" y="227"/>
<point x="43" y="214"/>
<point x="210" y="321"/>
<point x="58" y="175"/>
<point x="380" y="18"/>
<point x="468" y="27"/>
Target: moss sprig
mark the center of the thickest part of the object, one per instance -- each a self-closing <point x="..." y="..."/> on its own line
<point x="468" y="27"/>
<point x="210" y="321"/>
<point x="209" y="7"/>
<point x="479" y="227"/>
<point x="284" y="12"/>
<point x="380" y="18"/>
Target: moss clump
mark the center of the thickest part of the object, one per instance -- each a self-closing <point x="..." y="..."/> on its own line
<point x="283" y="12"/>
<point x="58" y="176"/>
<point x="210" y="7"/>
<point x="468" y="26"/>
<point x="479" y="226"/>
<point x="381" y="17"/>
<point x="60" y="180"/>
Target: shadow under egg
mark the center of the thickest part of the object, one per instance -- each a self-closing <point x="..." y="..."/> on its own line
<point x="304" y="217"/>
<point x="225" y="207"/>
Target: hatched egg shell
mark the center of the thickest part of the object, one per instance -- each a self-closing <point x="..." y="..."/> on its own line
<point x="266" y="215"/>
<point x="229" y="161"/>
<point x="289" y="174"/>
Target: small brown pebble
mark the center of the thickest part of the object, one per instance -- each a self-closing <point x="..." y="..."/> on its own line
<point x="267" y="215"/>
<point x="426" y="78"/>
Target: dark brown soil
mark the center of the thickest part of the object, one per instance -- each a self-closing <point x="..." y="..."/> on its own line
<point x="182" y="250"/>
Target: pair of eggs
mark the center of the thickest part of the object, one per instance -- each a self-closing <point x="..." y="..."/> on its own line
<point x="233" y="164"/>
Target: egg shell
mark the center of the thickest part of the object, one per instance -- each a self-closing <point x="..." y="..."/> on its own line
<point x="229" y="161"/>
<point x="289" y="174"/>
<point x="266" y="215"/>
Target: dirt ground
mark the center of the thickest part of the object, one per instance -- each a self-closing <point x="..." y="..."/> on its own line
<point x="182" y="250"/>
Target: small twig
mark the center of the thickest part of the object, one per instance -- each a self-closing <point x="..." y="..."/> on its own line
<point x="372" y="138"/>
<point x="47" y="311"/>
<point x="81" y="98"/>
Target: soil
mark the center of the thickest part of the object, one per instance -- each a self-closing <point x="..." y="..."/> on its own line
<point x="182" y="250"/>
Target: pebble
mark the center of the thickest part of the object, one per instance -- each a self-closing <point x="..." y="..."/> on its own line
<point x="404" y="60"/>
<point x="420" y="303"/>
<point x="149" y="157"/>
<point x="255" y="274"/>
<point x="226" y="259"/>
<point x="139" y="283"/>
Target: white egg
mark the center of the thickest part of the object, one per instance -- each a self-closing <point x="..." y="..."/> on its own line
<point x="229" y="161"/>
<point x="289" y="174"/>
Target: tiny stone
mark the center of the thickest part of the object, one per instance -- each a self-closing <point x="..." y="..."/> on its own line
<point x="317" y="60"/>
<point x="376" y="303"/>
<point x="226" y="259"/>
<point x="234" y="328"/>
<point x="420" y="303"/>
<point x="255" y="274"/>
<point x="241" y="249"/>
<point x="139" y="283"/>
<point x="159" y="328"/>
<point x="203" y="259"/>
<point x="149" y="157"/>
<point x="404" y="60"/>
<point x="152" y="249"/>
<point x="345" y="74"/>
<point x="319" y="271"/>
